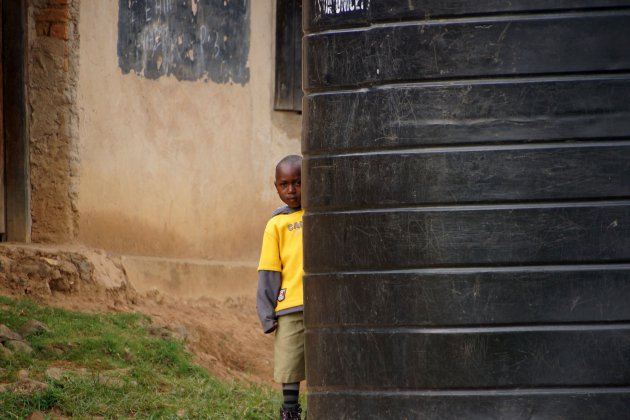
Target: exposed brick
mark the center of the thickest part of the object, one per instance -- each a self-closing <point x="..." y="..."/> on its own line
<point x="53" y="15"/>
<point x="42" y="28"/>
<point x="59" y="30"/>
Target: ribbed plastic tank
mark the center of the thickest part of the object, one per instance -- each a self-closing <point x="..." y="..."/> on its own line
<point x="467" y="196"/>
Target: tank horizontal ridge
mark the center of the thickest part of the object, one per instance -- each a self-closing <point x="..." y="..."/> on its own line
<point x="476" y="147"/>
<point x="474" y="19"/>
<point x="505" y="391"/>
<point x="512" y="235"/>
<point x="457" y="50"/>
<point x="482" y="175"/>
<point x="479" y="81"/>
<point x="549" y="403"/>
<point x="318" y="18"/>
<point x="474" y="207"/>
<point x="547" y="358"/>
<point x="471" y="296"/>
<point x="471" y="206"/>
<point x="477" y="269"/>
<point x="474" y="80"/>
<point x="475" y="328"/>
<point x="523" y="144"/>
<point x="511" y="111"/>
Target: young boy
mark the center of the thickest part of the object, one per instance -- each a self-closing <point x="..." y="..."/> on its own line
<point x="279" y="299"/>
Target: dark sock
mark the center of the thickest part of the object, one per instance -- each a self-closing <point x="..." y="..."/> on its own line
<point x="291" y="393"/>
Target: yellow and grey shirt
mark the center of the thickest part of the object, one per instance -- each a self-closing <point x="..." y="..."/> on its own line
<point x="280" y="269"/>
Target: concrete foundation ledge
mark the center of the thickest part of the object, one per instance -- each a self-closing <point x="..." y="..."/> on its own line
<point x="192" y="278"/>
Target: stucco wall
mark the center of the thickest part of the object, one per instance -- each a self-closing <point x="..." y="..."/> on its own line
<point x="177" y="169"/>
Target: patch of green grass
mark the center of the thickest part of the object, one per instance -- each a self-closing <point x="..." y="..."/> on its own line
<point x="152" y="377"/>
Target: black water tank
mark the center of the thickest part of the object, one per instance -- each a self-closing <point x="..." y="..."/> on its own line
<point x="467" y="187"/>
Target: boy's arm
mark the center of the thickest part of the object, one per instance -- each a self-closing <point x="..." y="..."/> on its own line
<point x="266" y="297"/>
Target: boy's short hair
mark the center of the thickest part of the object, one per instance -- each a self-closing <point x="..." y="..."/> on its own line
<point x="290" y="159"/>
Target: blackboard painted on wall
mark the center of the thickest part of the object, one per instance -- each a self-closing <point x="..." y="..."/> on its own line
<point x="187" y="39"/>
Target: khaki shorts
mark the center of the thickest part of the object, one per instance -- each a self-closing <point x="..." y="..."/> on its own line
<point x="289" y="349"/>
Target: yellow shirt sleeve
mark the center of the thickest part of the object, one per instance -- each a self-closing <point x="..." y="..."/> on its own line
<point x="270" y="253"/>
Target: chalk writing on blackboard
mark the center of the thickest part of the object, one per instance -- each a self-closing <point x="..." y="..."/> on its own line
<point x="187" y="39"/>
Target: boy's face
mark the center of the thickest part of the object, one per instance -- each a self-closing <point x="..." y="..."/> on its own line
<point x="289" y="184"/>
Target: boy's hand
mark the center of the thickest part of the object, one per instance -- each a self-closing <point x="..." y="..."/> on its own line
<point x="273" y="328"/>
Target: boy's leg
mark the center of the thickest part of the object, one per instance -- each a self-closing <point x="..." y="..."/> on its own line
<point x="291" y="395"/>
<point x="289" y="367"/>
<point x="289" y="349"/>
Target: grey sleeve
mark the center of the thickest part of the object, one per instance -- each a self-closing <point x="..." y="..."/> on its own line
<point x="266" y="297"/>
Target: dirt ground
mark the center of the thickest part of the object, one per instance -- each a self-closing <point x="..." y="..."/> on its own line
<point x="223" y="336"/>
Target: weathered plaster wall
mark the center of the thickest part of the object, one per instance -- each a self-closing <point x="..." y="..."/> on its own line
<point x="52" y="67"/>
<point x="177" y="169"/>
